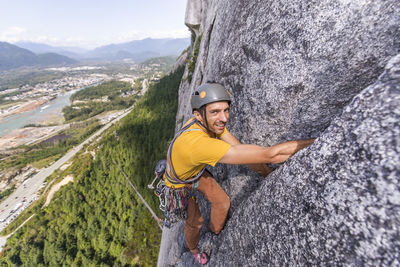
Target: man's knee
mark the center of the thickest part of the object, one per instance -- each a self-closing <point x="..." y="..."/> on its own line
<point x="227" y="203"/>
<point x="224" y="203"/>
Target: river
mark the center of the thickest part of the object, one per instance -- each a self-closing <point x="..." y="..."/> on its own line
<point x="36" y="116"/>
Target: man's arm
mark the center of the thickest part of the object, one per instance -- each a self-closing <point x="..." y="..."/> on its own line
<point x="250" y="154"/>
<point x="261" y="168"/>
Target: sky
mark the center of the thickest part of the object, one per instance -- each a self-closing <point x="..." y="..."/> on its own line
<point x="90" y="23"/>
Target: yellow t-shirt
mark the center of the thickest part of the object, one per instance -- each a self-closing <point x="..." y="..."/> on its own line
<point x="193" y="150"/>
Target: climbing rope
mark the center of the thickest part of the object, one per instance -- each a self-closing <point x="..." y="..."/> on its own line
<point x="140" y="196"/>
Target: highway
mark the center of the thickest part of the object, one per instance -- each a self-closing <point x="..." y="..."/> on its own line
<point x="24" y="195"/>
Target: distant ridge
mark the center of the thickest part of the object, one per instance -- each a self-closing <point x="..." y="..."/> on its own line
<point x="141" y="50"/>
<point x="39" y="48"/>
<point x="12" y="56"/>
<point x="138" y="50"/>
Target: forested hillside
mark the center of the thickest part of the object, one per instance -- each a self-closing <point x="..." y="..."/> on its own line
<point x="98" y="220"/>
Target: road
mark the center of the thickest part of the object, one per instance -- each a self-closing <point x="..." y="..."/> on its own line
<point x="24" y="195"/>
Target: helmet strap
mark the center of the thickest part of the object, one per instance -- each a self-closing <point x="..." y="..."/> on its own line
<point x="203" y="113"/>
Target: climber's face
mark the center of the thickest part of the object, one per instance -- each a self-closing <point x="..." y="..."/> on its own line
<point x="217" y="115"/>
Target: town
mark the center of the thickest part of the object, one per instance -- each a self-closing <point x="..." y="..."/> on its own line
<point x="29" y="97"/>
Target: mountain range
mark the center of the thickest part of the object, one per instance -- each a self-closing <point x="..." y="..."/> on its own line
<point x="12" y="56"/>
<point x="37" y="54"/>
<point x="138" y="50"/>
<point x="40" y="48"/>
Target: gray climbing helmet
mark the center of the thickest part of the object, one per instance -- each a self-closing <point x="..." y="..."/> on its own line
<point x="209" y="93"/>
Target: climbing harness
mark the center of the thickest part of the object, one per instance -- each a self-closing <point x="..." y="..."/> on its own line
<point x="173" y="201"/>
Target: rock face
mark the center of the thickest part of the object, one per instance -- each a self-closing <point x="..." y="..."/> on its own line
<point x="336" y="203"/>
<point x="299" y="70"/>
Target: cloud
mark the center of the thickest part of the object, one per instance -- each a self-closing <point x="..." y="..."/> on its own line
<point x="45" y="39"/>
<point x="12" y="34"/>
<point x="57" y="41"/>
<point x="18" y="34"/>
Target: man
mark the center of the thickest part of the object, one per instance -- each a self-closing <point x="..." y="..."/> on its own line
<point x="207" y="141"/>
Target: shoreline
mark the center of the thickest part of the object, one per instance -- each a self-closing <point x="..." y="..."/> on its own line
<point x="28" y="135"/>
<point x="27" y="106"/>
